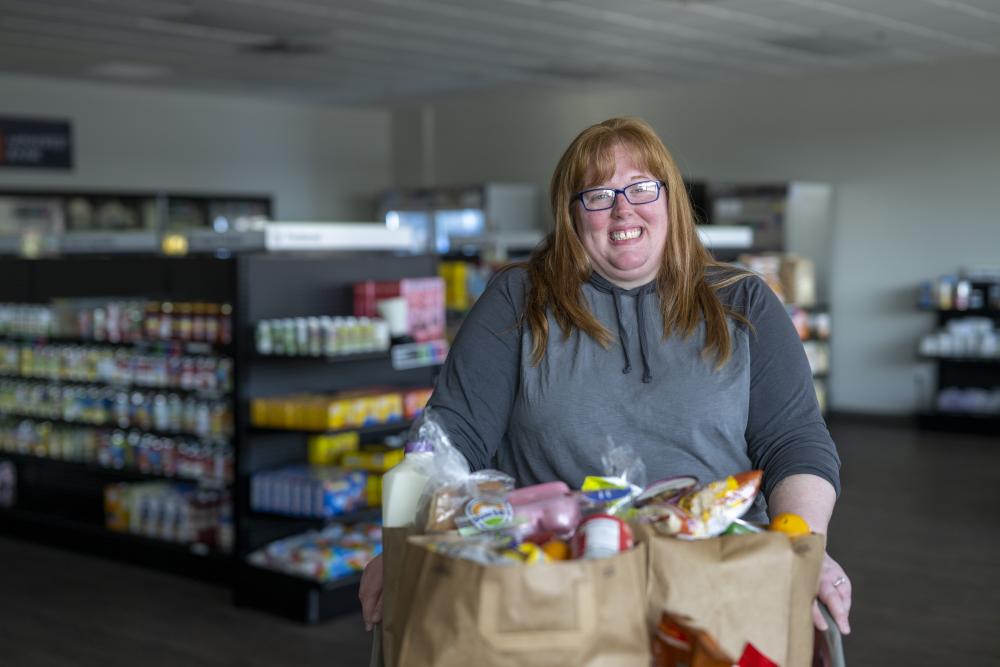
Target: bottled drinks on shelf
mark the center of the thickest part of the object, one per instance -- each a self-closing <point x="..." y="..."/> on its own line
<point x="171" y="511"/>
<point x="121" y="366"/>
<point x="107" y="406"/>
<point x="321" y="336"/>
<point x="119" y="321"/>
<point x="169" y="456"/>
<point x="969" y="291"/>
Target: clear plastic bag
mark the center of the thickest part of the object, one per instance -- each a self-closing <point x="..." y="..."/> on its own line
<point x="623" y="478"/>
<point x="450" y="483"/>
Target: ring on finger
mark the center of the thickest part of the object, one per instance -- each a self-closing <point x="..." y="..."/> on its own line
<point x="839" y="580"/>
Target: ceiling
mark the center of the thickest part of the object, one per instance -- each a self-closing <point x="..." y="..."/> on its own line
<point x="397" y="51"/>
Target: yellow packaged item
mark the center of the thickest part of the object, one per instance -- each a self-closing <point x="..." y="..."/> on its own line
<point x="380" y="460"/>
<point x="329" y="448"/>
<point x="373" y="491"/>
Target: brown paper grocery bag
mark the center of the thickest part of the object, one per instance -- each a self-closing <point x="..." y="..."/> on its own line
<point x="586" y="612"/>
<point x="396" y="590"/>
<point x="743" y="588"/>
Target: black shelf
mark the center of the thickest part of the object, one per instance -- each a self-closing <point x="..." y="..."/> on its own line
<point x="65" y="506"/>
<point x="964" y="422"/>
<point x="959" y="360"/>
<point x="382" y="355"/>
<point x="116" y="427"/>
<point x="301" y="599"/>
<point x="968" y="311"/>
<point x="194" y="560"/>
<point x="375" y="429"/>
<point x="104" y="472"/>
<point x="357" y="516"/>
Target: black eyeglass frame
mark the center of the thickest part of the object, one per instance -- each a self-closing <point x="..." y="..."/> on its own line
<point x="660" y="185"/>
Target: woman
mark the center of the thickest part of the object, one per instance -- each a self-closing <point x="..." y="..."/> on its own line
<point x="622" y="325"/>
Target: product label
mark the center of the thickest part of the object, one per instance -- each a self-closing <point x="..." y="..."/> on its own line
<point x="487" y="514"/>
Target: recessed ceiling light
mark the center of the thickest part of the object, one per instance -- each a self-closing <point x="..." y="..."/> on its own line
<point x="123" y="70"/>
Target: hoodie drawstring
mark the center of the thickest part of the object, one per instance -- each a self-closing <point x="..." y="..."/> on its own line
<point x="647" y="375"/>
<point x="616" y="296"/>
<point x="616" y="292"/>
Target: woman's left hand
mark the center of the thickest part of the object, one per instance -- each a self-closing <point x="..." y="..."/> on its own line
<point x="835" y="592"/>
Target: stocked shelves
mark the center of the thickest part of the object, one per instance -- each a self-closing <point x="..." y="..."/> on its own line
<point x="17" y="414"/>
<point x="194" y="348"/>
<point x="965" y="352"/>
<point x="402" y="356"/>
<point x="65" y="500"/>
<point x="120" y="386"/>
<point x="308" y="288"/>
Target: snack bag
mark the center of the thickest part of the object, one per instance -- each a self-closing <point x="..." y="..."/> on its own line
<point x="708" y="511"/>
<point x="622" y="481"/>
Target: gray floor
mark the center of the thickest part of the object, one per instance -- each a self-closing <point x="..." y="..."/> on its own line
<point x="916" y="529"/>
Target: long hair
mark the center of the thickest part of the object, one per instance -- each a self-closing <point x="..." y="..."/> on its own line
<point x="560" y="266"/>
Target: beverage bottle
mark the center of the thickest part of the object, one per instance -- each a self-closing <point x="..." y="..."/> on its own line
<point x="403" y="485"/>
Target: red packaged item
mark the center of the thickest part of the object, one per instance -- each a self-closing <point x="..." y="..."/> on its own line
<point x="425" y="313"/>
<point x="676" y="643"/>
<point x="601" y="536"/>
<point x="414" y="401"/>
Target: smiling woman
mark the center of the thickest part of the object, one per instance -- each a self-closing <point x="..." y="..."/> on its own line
<point x="540" y="375"/>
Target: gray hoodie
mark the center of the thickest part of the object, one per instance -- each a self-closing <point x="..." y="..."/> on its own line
<point x="660" y="396"/>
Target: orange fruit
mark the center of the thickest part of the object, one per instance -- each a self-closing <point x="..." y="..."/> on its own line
<point x="556" y="549"/>
<point x="790" y="524"/>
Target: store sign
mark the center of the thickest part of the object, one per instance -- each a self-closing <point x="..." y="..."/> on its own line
<point x="35" y="144"/>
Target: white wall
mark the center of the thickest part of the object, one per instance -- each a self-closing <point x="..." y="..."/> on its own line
<point x="913" y="154"/>
<point x="319" y="163"/>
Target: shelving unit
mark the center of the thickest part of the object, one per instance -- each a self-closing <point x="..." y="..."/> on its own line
<point x="60" y="501"/>
<point x="309" y="285"/>
<point x="960" y="371"/>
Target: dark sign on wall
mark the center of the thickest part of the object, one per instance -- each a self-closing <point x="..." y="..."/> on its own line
<point x="37" y="144"/>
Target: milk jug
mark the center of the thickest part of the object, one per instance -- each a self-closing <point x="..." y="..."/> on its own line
<point x="403" y="485"/>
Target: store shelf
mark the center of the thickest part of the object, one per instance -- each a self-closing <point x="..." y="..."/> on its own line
<point x="959" y="421"/>
<point x="194" y="348"/>
<point x="194" y="560"/>
<point x="294" y="597"/>
<point x="123" y="386"/>
<point x="113" y="426"/>
<point x="103" y="472"/>
<point x="382" y="355"/>
<point x="375" y="429"/>
<point x="367" y="514"/>
<point x="987" y="312"/>
<point x="959" y="360"/>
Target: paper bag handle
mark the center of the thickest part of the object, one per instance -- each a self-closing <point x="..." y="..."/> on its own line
<point x="490" y="595"/>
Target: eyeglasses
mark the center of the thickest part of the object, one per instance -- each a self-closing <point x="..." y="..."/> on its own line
<point x="601" y="199"/>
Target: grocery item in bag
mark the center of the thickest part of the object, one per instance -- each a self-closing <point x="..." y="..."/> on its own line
<point x="403" y="485"/>
<point x="708" y="511"/>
